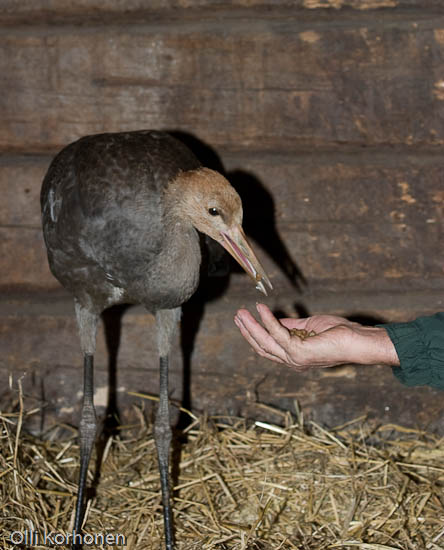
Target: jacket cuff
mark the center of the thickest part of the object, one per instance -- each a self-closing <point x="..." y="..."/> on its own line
<point x="420" y="348"/>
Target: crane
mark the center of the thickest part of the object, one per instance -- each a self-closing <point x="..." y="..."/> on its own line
<point x="122" y="217"/>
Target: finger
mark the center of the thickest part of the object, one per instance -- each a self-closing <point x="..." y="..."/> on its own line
<point x="278" y="332"/>
<point x="258" y="337"/>
<point x="256" y="330"/>
<point x="256" y="347"/>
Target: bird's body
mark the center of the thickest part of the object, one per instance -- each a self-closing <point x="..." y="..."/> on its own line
<point x="123" y="216"/>
<point x="108" y="233"/>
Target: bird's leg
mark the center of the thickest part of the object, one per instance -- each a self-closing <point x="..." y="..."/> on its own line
<point x="163" y="436"/>
<point x="166" y="326"/>
<point x="87" y="324"/>
<point x="87" y="434"/>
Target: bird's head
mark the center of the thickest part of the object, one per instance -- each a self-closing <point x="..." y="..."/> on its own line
<point x="213" y="207"/>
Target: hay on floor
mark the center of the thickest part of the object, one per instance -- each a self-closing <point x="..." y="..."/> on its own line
<point x="238" y="485"/>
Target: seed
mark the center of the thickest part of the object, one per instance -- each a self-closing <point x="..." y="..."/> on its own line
<point x="301" y="333"/>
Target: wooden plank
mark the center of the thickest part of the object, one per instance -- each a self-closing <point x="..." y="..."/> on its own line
<point x="24" y="262"/>
<point x="50" y="10"/>
<point x="277" y="85"/>
<point x="402" y="187"/>
<point x="39" y="344"/>
<point x="370" y="219"/>
<point x="20" y="182"/>
<point x="373" y="220"/>
<point x="376" y="256"/>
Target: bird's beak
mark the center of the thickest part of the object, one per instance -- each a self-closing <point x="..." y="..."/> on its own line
<point x="235" y="242"/>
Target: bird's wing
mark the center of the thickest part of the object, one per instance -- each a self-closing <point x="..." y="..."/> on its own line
<point x="102" y="201"/>
<point x="120" y="183"/>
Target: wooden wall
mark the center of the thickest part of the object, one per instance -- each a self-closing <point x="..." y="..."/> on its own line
<point x="327" y="115"/>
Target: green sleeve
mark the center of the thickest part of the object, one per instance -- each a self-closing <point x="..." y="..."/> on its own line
<point x="420" y="348"/>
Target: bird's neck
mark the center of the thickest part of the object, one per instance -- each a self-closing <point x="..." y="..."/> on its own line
<point x="181" y="242"/>
<point x="176" y="270"/>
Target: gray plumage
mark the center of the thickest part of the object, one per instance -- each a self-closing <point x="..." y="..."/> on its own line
<point x="104" y="221"/>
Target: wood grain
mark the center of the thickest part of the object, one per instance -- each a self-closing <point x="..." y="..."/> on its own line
<point x="41" y="344"/>
<point x="264" y="84"/>
<point x="373" y="221"/>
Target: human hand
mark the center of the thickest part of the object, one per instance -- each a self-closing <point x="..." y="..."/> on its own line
<point x="336" y="341"/>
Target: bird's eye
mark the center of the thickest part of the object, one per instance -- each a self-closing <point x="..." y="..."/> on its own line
<point x="213" y="211"/>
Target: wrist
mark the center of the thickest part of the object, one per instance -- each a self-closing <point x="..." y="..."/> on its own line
<point x="373" y="347"/>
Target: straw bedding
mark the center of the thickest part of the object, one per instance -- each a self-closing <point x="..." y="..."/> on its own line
<point x="238" y="484"/>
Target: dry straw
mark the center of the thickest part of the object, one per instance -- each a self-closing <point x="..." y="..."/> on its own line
<point x="238" y="485"/>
